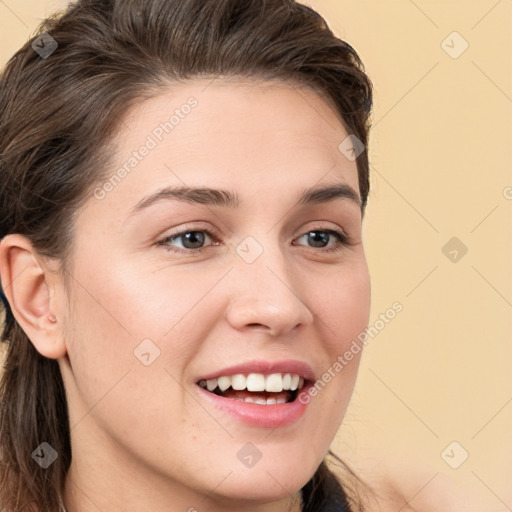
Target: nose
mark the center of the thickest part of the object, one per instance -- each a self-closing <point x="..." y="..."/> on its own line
<point x="267" y="296"/>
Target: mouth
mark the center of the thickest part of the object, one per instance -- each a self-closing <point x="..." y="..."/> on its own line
<point x="259" y="393"/>
<point x="257" y="388"/>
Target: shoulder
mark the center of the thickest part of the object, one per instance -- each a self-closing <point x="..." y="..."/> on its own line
<point x="409" y="488"/>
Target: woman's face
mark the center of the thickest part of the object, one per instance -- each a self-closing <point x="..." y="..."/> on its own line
<point x="258" y="279"/>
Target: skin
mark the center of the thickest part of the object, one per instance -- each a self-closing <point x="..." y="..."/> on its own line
<point x="140" y="435"/>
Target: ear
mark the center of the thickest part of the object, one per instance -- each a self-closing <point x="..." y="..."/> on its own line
<point x="25" y="282"/>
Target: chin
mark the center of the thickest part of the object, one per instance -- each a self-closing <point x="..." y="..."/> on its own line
<point x="261" y="488"/>
<point x="272" y="480"/>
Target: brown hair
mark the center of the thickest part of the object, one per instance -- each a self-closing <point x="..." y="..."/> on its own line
<point x="59" y="110"/>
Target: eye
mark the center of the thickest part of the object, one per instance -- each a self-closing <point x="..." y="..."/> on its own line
<point x="320" y="238"/>
<point x="191" y="240"/>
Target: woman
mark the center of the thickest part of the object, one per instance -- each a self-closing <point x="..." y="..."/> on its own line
<point x="182" y="190"/>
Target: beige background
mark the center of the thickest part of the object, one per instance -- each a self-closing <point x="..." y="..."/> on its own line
<point x="441" y="152"/>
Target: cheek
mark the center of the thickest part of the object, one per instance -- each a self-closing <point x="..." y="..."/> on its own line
<point x="114" y="324"/>
<point x="156" y="301"/>
<point x="99" y="344"/>
<point x="343" y="312"/>
<point x="125" y="312"/>
<point x="344" y="307"/>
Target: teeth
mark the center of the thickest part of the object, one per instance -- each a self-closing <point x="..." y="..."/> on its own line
<point x="274" y="383"/>
<point x="262" y="401"/>
<point x="254" y="382"/>
<point x="238" y="382"/>
<point x="224" y="383"/>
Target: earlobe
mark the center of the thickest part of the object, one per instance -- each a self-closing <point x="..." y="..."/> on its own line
<point x="25" y="284"/>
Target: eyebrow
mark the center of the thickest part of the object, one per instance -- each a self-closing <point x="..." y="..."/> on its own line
<point x="228" y="199"/>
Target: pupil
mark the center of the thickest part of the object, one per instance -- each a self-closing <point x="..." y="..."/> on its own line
<point x="192" y="236"/>
<point x="317" y="236"/>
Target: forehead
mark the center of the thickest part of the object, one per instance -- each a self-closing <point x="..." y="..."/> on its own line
<point x="234" y="107"/>
<point x="264" y="140"/>
<point x="233" y="120"/>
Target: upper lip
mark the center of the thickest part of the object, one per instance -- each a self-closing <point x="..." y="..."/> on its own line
<point x="266" y="368"/>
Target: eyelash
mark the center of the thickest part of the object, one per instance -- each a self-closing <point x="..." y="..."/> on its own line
<point x="343" y="240"/>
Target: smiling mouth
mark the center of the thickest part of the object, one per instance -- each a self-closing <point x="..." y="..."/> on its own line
<point x="276" y="388"/>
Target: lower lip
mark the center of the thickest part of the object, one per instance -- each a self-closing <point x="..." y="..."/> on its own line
<point x="257" y="415"/>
